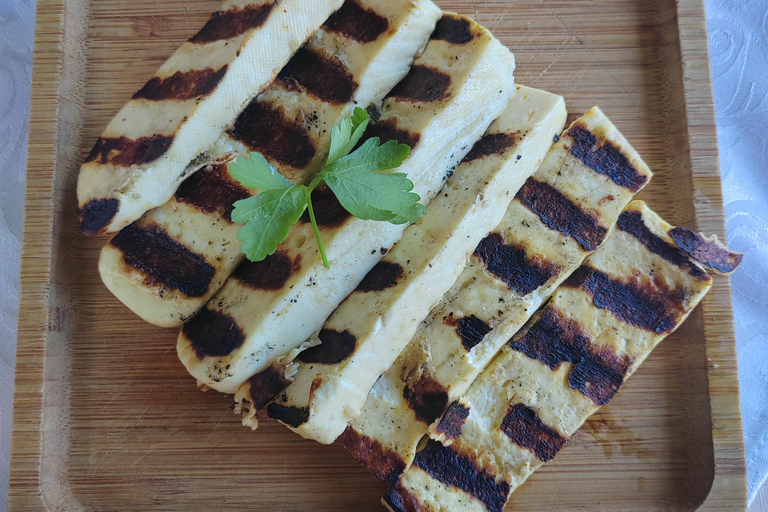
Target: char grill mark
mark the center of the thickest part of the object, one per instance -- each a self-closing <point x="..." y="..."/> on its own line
<point x="491" y="144"/>
<point x="126" y="152"/>
<point x="269" y="274"/>
<point x="290" y="415"/>
<point x="401" y="499"/>
<point x="557" y="212"/>
<point x="383" y="463"/>
<point x="328" y="210"/>
<point x="164" y="261"/>
<point x="471" y="330"/>
<point x="524" y="428"/>
<point x="511" y="264"/>
<point x="182" y="85"/>
<point x="229" y="24"/>
<point x="427" y="398"/>
<point x="266" y="385"/>
<point x="461" y="472"/>
<point x="648" y="305"/>
<point x="264" y="127"/>
<point x="97" y="214"/>
<point x="335" y="347"/>
<point x="213" y="334"/>
<point x="354" y="22"/>
<point x="711" y="254"/>
<point x="553" y="339"/>
<point x="422" y="84"/>
<point x="384" y="275"/>
<point x="451" y="424"/>
<point x="605" y="158"/>
<point x="387" y="130"/>
<point x="212" y="190"/>
<point x="320" y="75"/>
<point x="453" y="30"/>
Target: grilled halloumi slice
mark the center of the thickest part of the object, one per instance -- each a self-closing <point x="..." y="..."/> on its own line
<point x="454" y="90"/>
<point x="169" y="263"/>
<point x="568" y="361"/>
<point x="364" y="336"/>
<point x="557" y="219"/>
<point x="142" y="156"/>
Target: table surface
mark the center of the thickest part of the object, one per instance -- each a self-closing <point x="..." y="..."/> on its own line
<point x="738" y="33"/>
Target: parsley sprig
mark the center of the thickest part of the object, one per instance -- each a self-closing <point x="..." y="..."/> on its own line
<point x="355" y="177"/>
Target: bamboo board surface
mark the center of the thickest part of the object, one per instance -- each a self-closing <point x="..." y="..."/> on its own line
<point x="106" y="418"/>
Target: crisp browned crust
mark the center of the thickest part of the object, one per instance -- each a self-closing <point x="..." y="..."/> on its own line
<point x="320" y="75"/>
<point x="452" y="422"/>
<point x="427" y="398"/>
<point x="710" y="253"/>
<point x="422" y="84"/>
<point x="271" y="273"/>
<point x="126" y="152"/>
<point x="553" y="339"/>
<point x="328" y="210"/>
<point x="384" y="464"/>
<point x="471" y="330"/>
<point x="491" y="144"/>
<point x="229" y="24"/>
<point x="384" y="275"/>
<point x="265" y="385"/>
<point x="354" y="22"/>
<point x="213" y="334"/>
<point x="334" y="348"/>
<point x="290" y="415"/>
<point x="559" y="213"/>
<point x="212" y="191"/>
<point x="400" y="499"/>
<point x="387" y="130"/>
<point x="182" y="85"/>
<point x="164" y="261"/>
<point x="511" y="264"/>
<point x="97" y="214"/>
<point x="524" y="428"/>
<point x="453" y="30"/>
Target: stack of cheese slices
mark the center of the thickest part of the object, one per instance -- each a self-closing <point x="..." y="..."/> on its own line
<point x="451" y="357"/>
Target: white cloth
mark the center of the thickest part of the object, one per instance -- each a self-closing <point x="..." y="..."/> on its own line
<point x="739" y="47"/>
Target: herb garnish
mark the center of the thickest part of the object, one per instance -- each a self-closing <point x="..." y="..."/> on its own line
<point x="355" y="178"/>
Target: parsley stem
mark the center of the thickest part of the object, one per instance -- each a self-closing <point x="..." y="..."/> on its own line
<point x="316" y="229"/>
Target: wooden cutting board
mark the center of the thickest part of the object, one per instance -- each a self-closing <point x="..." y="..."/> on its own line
<point x="106" y="417"/>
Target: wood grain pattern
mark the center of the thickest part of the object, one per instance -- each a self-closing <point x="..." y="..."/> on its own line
<point x="106" y="417"/>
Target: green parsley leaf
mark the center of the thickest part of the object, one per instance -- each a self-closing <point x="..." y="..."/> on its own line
<point x="257" y="173"/>
<point x="267" y="218"/>
<point x="347" y="134"/>
<point x="370" y="195"/>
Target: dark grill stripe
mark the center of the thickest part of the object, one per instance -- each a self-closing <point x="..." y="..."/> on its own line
<point x="125" y="151"/>
<point x="354" y="22"/>
<point x="422" y="84"/>
<point x="269" y="274"/>
<point x="213" y="333"/>
<point x="524" y="428"/>
<point x="554" y="339"/>
<point x="511" y="264"/>
<point x="384" y="275"/>
<point x="335" y="347"/>
<point x="164" y="261"/>
<point x="229" y="24"/>
<point x="328" y="210"/>
<point x="631" y="222"/>
<point x="401" y="499"/>
<point x="266" y="385"/>
<point x="212" y="190"/>
<point x="427" y="398"/>
<point x="264" y="127"/>
<point x="605" y="158"/>
<point x="290" y="415"/>
<point x="471" y="330"/>
<point x="560" y="214"/>
<point x="648" y="305"/>
<point x="182" y="85"/>
<point x="97" y="214"/>
<point x="453" y="421"/>
<point x="387" y="130"/>
<point x="320" y="75"/>
<point x="491" y="144"/>
<point x="452" y="29"/>
<point x="458" y="471"/>
<point x="383" y="463"/>
<point x="711" y="254"/>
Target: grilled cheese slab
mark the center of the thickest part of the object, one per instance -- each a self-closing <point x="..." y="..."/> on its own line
<point x="379" y="318"/>
<point x="455" y="89"/>
<point x="569" y="360"/>
<point x="142" y="156"/>
<point x="169" y="263"/>
<point x="559" y="216"/>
